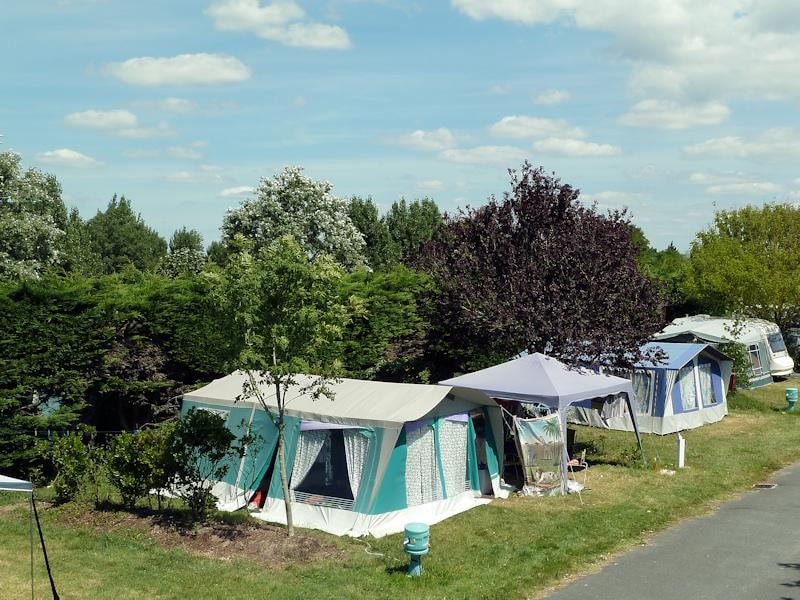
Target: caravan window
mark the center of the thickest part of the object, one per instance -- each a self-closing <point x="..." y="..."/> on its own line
<point x="687" y="387"/>
<point x="706" y="386"/>
<point x="328" y="467"/>
<point x="643" y="391"/>
<point x="755" y="359"/>
<point x="776" y="342"/>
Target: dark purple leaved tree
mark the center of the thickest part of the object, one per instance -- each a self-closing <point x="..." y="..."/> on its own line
<point x="541" y="272"/>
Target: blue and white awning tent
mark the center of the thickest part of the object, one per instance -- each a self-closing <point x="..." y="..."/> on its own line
<point x="687" y="389"/>
<point x="375" y="457"/>
<point x="536" y="378"/>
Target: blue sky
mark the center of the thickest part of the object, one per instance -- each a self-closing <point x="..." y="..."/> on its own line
<point x="668" y="108"/>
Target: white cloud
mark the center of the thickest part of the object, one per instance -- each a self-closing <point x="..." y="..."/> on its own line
<point x="202" y="176"/>
<point x="744" y="188"/>
<point x="299" y="102"/>
<point x="680" y="49"/>
<point x="102" y="119"/>
<point x="239" y="190"/>
<point x="430" y="185"/>
<point x="64" y="157"/>
<point x="282" y="21"/>
<point x="481" y="155"/>
<point x="576" y="148"/>
<point x="534" y="127"/>
<point x="613" y="199"/>
<point x="778" y="143"/>
<point x="500" y="90"/>
<point x="143" y="133"/>
<point x="668" y="114"/>
<point x="185" y="152"/>
<point x="438" y="139"/>
<point x="551" y="97"/>
<point x="184" y="69"/>
<point x="178" y="105"/>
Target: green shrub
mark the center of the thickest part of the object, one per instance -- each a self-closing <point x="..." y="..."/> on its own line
<point x="198" y="448"/>
<point x="70" y="458"/>
<point x="128" y="468"/>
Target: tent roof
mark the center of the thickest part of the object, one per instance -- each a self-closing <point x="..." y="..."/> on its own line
<point x="10" y="484"/>
<point x="678" y="354"/>
<point x="540" y="378"/>
<point x="355" y="402"/>
<point x="714" y="329"/>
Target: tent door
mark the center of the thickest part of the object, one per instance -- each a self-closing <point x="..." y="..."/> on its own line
<point x="260" y="495"/>
<point x="484" y="478"/>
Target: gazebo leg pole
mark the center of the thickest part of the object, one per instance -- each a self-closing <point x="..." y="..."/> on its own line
<point x="635" y="428"/>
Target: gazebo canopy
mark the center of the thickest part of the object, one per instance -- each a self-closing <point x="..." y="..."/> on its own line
<point x="9" y="484"/>
<point x="540" y="378"/>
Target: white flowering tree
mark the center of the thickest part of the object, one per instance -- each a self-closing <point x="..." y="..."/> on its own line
<point x="292" y="204"/>
<point x="32" y="219"/>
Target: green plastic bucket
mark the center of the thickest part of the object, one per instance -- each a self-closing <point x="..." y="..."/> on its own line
<point x="791" y="399"/>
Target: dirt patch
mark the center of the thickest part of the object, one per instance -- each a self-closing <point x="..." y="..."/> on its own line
<point x="264" y="544"/>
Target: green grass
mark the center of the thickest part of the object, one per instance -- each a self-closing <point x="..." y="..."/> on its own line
<point x="508" y="549"/>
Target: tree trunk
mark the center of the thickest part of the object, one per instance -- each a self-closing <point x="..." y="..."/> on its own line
<point x="287" y="500"/>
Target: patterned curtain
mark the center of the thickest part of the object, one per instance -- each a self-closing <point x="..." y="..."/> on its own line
<point x="706" y="389"/>
<point x="688" y="390"/>
<point x="356" y="449"/>
<point x="422" y="471"/>
<point x="308" y="448"/>
<point x="453" y="449"/>
<point x="642" y="382"/>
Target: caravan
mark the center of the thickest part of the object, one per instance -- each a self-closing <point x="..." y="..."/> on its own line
<point x="763" y="340"/>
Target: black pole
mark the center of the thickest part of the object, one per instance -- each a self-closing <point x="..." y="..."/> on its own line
<point x="44" y="550"/>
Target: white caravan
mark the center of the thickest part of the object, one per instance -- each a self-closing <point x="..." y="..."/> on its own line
<point x="762" y="339"/>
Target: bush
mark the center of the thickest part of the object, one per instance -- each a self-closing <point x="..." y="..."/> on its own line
<point x="198" y="448"/>
<point x="69" y="456"/>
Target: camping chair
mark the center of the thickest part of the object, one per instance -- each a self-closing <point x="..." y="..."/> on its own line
<point x="579" y="464"/>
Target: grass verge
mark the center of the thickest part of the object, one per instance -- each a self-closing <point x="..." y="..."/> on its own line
<point x="508" y="549"/>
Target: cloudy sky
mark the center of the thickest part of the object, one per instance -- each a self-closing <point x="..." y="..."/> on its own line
<point x="669" y="108"/>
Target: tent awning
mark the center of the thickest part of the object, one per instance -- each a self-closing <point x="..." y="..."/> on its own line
<point x="677" y="354"/>
<point x="540" y="378"/>
<point x="355" y="401"/>
<point x="10" y="484"/>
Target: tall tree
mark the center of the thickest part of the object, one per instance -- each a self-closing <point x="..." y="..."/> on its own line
<point x="381" y="251"/>
<point x="189" y="239"/>
<point x="32" y="219"/>
<point x="186" y="255"/>
<point x="121" y="237"/>
<point x="411" y="224"/>
<point x="284" y="313"/>
<point x="748" y="262"/>
<point x="538" y="271"/>
<point x="292" y="204"/>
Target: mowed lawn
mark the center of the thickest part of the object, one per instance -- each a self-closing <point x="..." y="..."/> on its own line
<point x="515" y="548"/>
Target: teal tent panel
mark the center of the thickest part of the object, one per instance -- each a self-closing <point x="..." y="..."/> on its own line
<point x="392" y="495"/>
<point x="492" y="461"/>
<point x="259" y="453"/>
<point x="236" y="420"/>
<point x="291" y="435"/>
<point x="370" y="469"/>
<point x="472" y="458"/>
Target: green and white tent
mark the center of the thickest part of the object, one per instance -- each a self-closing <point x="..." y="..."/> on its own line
<point x="377" y="456"/>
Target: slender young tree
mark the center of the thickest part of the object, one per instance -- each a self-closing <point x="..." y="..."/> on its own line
<point x="284" y="312"/>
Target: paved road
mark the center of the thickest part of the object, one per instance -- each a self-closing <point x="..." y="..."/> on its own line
<point x="749" y="550"/>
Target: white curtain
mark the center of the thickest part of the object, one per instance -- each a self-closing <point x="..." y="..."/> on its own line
<point x="309" y="445"/>
<point x="706" y="388"/>
<point x="688" y="389"/>
<point x="642" y="383"/>
<point x="670" y="376"/>
<point x="453" y="449"/>
<point x="356" y="449"/>
<point x="422" y="471"/>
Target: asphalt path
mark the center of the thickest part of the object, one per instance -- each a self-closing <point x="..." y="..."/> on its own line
<point x="748" y="549"/>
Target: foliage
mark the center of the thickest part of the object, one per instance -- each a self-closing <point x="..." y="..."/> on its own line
<point x="284" y="313"/>
<point x="381" y="250"/>
<point x="121" y="237"/>
<point x="69" y="456"/>
<point x="749" y="261"/>
<point x="198" y="448"/>
<point x="412" y="224"/>
<point x="535" y="272"/>
<point x="32" y="219"/>
<point x="217" y="253"/>
<point x="188" y="239"/>
<point x="78" y="255"/>
<point x="385" y="338"/>
<point x="293" y="204"/>
<point x="182" y="262"/>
